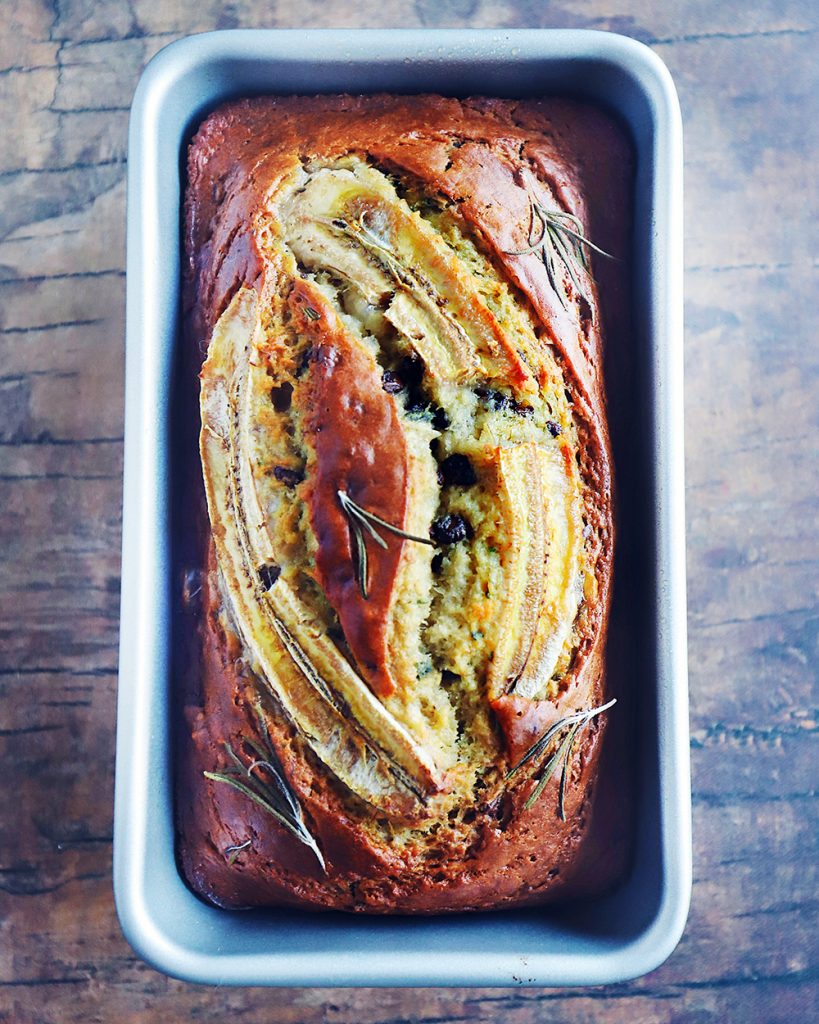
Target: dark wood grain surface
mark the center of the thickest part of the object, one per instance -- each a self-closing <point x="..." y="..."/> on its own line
<point x="748" y="77"/>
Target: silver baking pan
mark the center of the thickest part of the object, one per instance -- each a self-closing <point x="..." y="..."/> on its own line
<point x="631" y="930"/>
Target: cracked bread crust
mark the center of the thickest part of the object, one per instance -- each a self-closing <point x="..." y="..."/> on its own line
<point x="473" y="844"/>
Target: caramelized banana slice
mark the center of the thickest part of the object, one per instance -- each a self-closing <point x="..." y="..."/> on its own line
<point x="520" y="498"/>
<point x="562" y="591"/>
<point x="351" y="222"/>
<point x="363" y="458"/>
<point x="358" y="740"/>
<point x="539" y="494"/>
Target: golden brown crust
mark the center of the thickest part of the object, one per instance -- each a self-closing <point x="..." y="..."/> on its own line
<point x="482" y="155"/>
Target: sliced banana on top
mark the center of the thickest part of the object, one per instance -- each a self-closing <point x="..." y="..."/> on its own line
<point x="330" y="705"/>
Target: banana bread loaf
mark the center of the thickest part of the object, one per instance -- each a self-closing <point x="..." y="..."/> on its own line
<point x="399" y="537"/>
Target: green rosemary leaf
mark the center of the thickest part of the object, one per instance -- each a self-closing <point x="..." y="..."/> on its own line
<point x="268" y="787"/>
<point x="361" y="519"/>
<point x="534" y="214"/>
<point x="261" y="763"/>
<point x="559" y="238"/>
<point x="568" y="257"/>
<point x="577" y="234"/>
<point x="311" y="314"/>
<point x="362" y="568"/>
<point x="362" y="513"/>
<point x="295" y="827"/>
<point x="269" y="759"/>
<point x="274" y="774"/>
<point x="535" y="241"/>
<point x="567" y="761"/>
<point x="258" y="750"/>
<point x="549" y="770"/>
<point x="570" y="726"/>
<point x="252" y="794"/>
<point x="263" y="729"/>
<point x="540" y="745"/>
<point x="234" y="851"/>
<point x="237" y="763"/>
<point x="549" y="263"/>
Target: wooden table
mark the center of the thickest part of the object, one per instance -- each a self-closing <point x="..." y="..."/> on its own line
<point x="748" y="77"/>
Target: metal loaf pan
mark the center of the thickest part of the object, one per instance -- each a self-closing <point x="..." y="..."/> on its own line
<point x="630" y="931"/>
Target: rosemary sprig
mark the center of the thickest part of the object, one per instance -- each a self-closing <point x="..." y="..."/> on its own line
<point x="360" y="520"/>
<point x="571" y="725"/>
<point x="234" y="851"/>
<point x="263" y="781"/>
<point x="558" y="236"/>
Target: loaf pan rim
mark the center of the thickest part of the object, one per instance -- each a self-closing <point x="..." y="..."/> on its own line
<point x="191" y="942"/>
